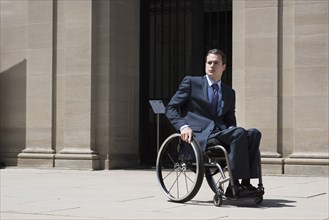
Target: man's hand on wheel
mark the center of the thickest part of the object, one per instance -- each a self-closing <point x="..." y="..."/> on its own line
<point x="186" y="134"/>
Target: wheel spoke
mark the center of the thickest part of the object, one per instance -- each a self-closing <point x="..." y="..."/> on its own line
<point x="163" y="178"/>
<point x="176" y="181"/>
<point x="186" y="177"/>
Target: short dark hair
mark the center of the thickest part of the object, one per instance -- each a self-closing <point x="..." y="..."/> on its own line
<point x="217" y="52"/>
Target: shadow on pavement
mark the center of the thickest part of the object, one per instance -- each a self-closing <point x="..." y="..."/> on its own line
<point x="248" y="203"/>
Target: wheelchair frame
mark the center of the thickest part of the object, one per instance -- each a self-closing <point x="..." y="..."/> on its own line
<point x="180" y="174"/>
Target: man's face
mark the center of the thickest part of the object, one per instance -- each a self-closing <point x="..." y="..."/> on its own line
<point x="215" y="67"/>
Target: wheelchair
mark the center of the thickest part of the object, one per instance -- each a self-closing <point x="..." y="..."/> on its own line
<point x="181" y="167"/>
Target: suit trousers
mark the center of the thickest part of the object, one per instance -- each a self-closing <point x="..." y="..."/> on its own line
<point x="243" y="150"/>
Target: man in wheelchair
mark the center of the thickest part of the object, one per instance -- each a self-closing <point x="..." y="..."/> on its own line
<point x="204" y="107"/>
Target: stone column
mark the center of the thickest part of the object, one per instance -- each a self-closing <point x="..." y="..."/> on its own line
<point x="115" y="82"/>
<point x="310" y="88"/>
<point x="124" y="84"/>
<point x="75" y="143"/>
<point x="39" y="113"/>
<point x="255" y="74"/>
<point x="101" y="79"/>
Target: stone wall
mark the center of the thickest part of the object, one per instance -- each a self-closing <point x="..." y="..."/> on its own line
<point x="280" y="73"/>
<point x="68" y="100"/>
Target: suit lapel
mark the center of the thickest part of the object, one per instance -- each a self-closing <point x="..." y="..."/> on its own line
<point x="205" y="89"/>
<point x="205" y="94"/>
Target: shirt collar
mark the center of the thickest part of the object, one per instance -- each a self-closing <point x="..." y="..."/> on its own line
<point x="211" y="81"/>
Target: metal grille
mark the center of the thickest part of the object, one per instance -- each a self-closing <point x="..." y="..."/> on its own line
<point x="175" y="36"/>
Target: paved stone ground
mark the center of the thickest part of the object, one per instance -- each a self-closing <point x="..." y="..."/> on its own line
<point x="135" y="194"/>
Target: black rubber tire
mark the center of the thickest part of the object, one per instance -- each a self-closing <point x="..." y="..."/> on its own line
<point x="177" y="168"/>
<point x="218" y="200"/>
<point x="258" y="200"/>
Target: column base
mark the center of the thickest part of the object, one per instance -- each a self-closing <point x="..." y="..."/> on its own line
<point x="77" y="159"/>
<point x="272" y="163"/>
<point x="120" y="161"/>
<point x="272" y="166"/>
<point x="36" y="158"/>
<point x="306" y="166"/>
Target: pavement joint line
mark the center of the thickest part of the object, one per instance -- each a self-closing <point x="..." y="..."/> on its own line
<point x="45" y="214"/>
<point x="315" y="195"/>
<point x="301" y="197"/>
<point x="57" y="210"/>
<point x="220" y="217"/>
<point x="307" y="182"/>
<point x="44" y="200"/>
<point x="179" y="205"/>
<point x="129" y="200"/>
<point x="278" y="187"/>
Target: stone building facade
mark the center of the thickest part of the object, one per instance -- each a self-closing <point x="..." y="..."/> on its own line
<point x="69" y="77"/>
<point x="281" y="75"/>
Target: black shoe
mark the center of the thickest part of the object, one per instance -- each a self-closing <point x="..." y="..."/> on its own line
<point x="238" y="190"/>
<point x="257" y="191"/>
<point x="250" y="187"/>
<point x="242" y="192"/>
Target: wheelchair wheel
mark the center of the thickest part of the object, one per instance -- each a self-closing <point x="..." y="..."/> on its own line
<point x="218" y="200"/>
<point x="258" y="200"/>
<point x="180" y="168"/>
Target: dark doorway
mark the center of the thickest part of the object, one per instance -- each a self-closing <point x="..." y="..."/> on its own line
<point x="175" y="36"/>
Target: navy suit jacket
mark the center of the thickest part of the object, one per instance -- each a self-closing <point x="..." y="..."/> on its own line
<point x="190" y="106"/>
